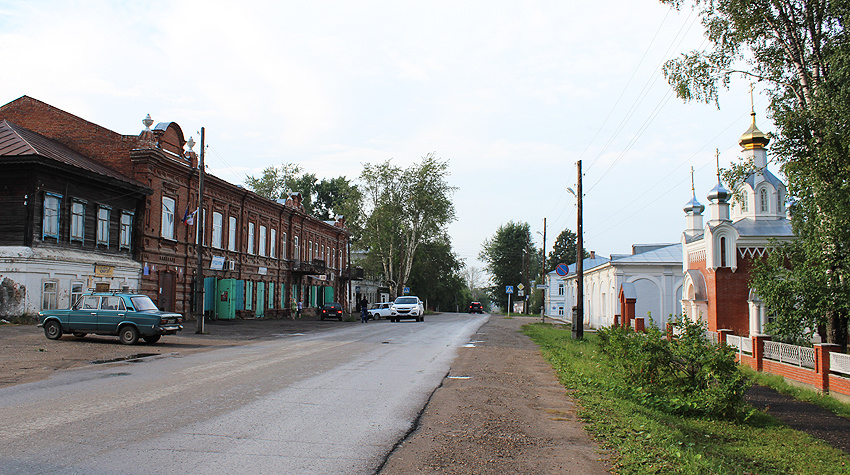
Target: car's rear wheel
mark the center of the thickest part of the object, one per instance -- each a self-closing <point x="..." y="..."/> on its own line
<point x="128" y="335"/>
<point x="52" y="330"/>
<point x="151" y="339"/>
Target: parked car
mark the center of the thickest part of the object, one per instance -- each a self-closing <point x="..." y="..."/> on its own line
<point x="476" y="307"/>
<point x="331" y="310"/>
<point x="380" y="310"/>
<point x="129" y="316"/>
<point x="407" y="307"/>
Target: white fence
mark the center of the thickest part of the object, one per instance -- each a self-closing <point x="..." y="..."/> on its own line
<point x="742" y="343"/>
<point x="712" y="337"/>
<point x="839" y="362"/>
<point x="791" y="354"/>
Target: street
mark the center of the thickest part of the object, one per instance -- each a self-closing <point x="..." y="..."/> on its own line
<point x="331" y="402"/>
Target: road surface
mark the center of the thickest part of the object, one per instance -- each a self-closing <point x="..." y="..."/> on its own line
<point x="331" y="402"/>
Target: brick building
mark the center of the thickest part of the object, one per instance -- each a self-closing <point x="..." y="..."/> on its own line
<point x="259" y="256"/>
<point x="717" y="258"/>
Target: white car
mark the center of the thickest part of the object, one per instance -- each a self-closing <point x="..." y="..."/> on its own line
<point x="379" y="310"/>
<point x="407" y="307"/>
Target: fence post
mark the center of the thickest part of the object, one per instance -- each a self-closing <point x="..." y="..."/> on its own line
<point x="721" y="335"/>
<point x="616" y="320"/>
<point x="822" y="351"/>
<point x="639" y="325"/>
<point x="758" y="350"/>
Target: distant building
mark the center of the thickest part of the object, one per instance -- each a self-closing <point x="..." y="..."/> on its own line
<point x="258" y="254"/>
<point x="717" y="257"/>
<point x="653" y="269"/>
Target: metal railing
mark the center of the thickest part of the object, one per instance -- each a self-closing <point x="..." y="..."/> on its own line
<point x="839" y="362"/>
<point x="791" y="354"/>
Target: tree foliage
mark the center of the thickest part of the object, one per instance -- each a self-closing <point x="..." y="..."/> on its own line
<point x="510" y="258"/>
<point x="437" y="277"/>
<point x="404" y="209"/>
<point x="798" y="49"/>
<point x="564" y="250"/>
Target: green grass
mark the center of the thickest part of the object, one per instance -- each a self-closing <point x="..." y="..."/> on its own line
<point x="778" y="383"/>
<point x="645" y="440"/>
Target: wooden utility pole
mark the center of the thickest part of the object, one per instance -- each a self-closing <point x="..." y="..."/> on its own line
<point x="578" y="321"/>
<point x="543" y="278"/>
<point x="199" y="273"/>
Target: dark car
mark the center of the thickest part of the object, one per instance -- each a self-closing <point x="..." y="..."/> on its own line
<point x="331" y="310"/>
<point x="476" y="307"/>
<point x="129" y="316"/>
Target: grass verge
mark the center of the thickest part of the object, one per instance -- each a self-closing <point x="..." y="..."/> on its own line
<point x="778" y="383"/>
<point x="646" y="440"/>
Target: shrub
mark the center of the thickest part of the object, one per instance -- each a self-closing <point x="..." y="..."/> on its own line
<point x="687" y="376"/>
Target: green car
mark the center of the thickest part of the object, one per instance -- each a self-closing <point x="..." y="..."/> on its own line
<point x="129" y="316"/>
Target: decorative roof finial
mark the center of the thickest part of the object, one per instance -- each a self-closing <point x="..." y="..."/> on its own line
<point x="693" y="190"/>
<point x="717" y="156"/>
<point x="148" y="123"/>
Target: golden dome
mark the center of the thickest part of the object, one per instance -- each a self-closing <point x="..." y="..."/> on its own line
<point x="753" y="137"/>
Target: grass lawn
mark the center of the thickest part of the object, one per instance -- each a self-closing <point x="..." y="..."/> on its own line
<point x="646" y="440"/>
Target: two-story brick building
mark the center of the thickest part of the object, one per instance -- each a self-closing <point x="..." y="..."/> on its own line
<point x="257" y="253"/>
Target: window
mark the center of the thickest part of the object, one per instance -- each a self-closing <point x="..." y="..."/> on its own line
<point x="48" y="296"/>
<point x="250" y="238"/>
<point x="216" y="230"/>
<point x="50" y="222"/>
<point x="560" y="310"/>
<point x="231" y="231"/>
<point x="249" y="295"/>
<point x="723" y="252"/>
<point x="560" y="288"/>
<point x="323" y="252"/>
<point x="764" y="205"/>
<point x="167" y="217"/>
<point x="283" y="247"/>
<point x="744" y="198"/>
<point x="295" y="248"/>
<point x="76" y="292"/>
<point x="272" y="240"/>
<point x="78" y="220"/>
<point x="103" y="225"/>
<point x="310" y="251"/>
<point x="262" y="248"/>
<point x="125" y="238"/>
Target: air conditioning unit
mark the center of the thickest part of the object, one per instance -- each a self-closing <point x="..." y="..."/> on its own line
<point x="231" y="265"/>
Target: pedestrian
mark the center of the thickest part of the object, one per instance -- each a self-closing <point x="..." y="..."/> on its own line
<point x="298" y="312"/>
<point x="364" y="313"/>
<point x="294" y="309"/>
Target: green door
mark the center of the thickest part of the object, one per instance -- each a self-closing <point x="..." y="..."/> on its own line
<point x="261" y="299"/>
<point x="225" y="299"/>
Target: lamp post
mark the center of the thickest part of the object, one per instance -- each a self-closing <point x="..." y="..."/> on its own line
<point x="199" y="274"/>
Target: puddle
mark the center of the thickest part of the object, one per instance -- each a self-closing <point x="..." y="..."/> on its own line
<point x="131" y="358"/>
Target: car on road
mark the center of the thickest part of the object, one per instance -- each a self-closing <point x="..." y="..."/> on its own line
<point x="127" y="315"/>
<point x="476" y="307"/>
<point x="408" y="306"/>
<point x="331" y="310"/>
<point x="380" y="310"/>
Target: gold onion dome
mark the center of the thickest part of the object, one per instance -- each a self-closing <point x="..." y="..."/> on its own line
<point x="753" y="137"/>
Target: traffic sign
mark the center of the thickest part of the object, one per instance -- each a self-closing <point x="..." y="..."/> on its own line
<point x="562" y="269"/>
<point x="406" y="290"/>
<point x="520" y="286"/>
<point x="509" y="289"/>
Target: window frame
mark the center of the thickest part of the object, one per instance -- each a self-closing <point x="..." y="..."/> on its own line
<point x="102" y="230"/>
<point x="166" y="224"/>
<point x="231" y="233"/>
<point x="125" y="234"/>
<point x="217" y="228"/>
<point x="272" y="242"/>
<point x="77" y="231"/>
<point x="50" y="220"/>
<point x="250" y="249"/>
<point x="261" y="245"/>
<point x="48" y="298"/>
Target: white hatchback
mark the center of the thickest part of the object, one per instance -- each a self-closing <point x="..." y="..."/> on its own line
<point x="407" y="307"/>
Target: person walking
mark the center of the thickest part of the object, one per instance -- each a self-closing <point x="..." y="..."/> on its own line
<point x="364" y="312"/>
<point x="298" y="312"/>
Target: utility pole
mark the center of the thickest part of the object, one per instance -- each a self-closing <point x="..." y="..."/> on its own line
<point x="578" y="321"/>
<point x="199" y="273"/>
<point x="543" y="278"/>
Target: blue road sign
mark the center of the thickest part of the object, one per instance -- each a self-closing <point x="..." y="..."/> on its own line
<point x="562" y="269"/>
<point x="509" y="289"/>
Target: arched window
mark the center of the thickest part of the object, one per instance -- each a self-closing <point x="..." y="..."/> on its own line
<point x="723" y="252"/>
<point x="744" y="199"/>
<point x="764" y="204"/>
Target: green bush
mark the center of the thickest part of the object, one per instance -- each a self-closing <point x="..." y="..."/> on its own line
<point x="688" y="375"/>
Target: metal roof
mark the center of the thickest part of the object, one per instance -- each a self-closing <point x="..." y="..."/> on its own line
<point x="17" y="141"/>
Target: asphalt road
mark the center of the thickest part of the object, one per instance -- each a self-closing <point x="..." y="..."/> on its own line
<point x="330" y="402"/>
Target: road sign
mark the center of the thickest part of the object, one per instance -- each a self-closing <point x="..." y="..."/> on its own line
<point x="520" y="286"/>
<point x="541" y="286"/>
<point x="521" y="293"/>
<point x="509" y="289"/>
<point x="562" y="269"/>
<point x="406" y="290"/>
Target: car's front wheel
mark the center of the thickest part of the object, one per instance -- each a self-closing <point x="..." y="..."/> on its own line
<point x="52" y="330"/>
<point x="151" y="339"/>
<point x="128" y="335"/>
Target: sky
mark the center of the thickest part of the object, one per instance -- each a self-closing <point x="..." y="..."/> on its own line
<point x="511" y="93"/>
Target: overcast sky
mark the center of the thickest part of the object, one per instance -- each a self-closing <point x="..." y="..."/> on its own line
<point x="512" y="94"/>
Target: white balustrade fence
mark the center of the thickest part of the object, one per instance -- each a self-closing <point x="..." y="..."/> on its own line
<point x="712" y="336"/>
<point x="742" y="343"/>
<point x="791" y="354"/>
<point x="839" y="362"/>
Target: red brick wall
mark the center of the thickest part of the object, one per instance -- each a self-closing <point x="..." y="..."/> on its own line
<point x="839" y="384"/>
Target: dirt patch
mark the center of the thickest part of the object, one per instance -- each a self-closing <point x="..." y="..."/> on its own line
<point x="27" y="356"/>
<point x="500" y="410"/>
